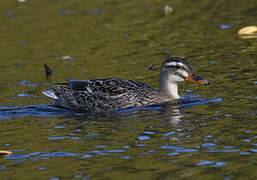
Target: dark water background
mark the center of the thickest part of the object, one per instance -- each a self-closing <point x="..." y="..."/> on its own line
<point x="212" y="136"/>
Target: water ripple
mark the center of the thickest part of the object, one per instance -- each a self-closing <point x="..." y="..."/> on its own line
<point x="222" y="150"/>
<point x="48" y="110"/>
<point x="39" y="110"/>
<point x="59" y="154"/>
<point x="169" y="133"/>
<point x="142" y="138"/>
<point x="58" y="138"/>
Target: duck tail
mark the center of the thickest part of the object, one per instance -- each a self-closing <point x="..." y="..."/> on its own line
<point x="50" y="93"/>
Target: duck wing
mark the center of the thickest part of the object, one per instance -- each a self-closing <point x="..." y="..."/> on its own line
<point x="102" y="94"/>
<point x="107" y="87"/>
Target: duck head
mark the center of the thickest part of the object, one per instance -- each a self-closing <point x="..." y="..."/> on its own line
<point x="175" y="70"/>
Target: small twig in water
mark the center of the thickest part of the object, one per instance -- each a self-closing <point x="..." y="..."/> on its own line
<point x="48" y="71"/>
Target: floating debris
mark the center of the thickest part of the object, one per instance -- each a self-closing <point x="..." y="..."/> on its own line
<point x="67" y="58"/>
<point x="167" y="9"/>
<point x="5" y="153"/>
<point x="248" y="30"/>
<point x="48" y="71"/>
<point x="150" y="67"/>
<point x="21" y="1"/>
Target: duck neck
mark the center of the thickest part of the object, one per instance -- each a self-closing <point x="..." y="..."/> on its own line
<point x="167" y="87"/>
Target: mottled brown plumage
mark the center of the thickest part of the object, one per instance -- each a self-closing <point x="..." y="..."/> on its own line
<point x="101" y="95"/>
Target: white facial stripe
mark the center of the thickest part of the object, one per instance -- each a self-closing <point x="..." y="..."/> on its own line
<point x="182" y="65"/>
<point x="172" y="64"/>
<point x="177" y="64"/>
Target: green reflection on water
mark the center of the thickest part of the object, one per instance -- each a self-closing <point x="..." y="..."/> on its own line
<point x="119" y="39"/>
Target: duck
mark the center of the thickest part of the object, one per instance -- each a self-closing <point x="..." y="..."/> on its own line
<point x="111" y="94"/>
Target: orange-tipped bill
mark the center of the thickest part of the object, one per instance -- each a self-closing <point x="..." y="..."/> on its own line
<point x="197" y="80"/>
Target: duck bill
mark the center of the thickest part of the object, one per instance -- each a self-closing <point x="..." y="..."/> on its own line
<point x="197" y="80"/>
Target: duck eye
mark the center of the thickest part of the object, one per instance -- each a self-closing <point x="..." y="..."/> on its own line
<point x="176" y="73"/>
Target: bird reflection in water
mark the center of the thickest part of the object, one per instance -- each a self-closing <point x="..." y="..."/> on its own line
<point x="172" y="114"/>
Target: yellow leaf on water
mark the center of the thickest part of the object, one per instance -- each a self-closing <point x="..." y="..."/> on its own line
<point x="5" y="153"/>
<point x="248" y="30"/>
<point x="67" y="58"/>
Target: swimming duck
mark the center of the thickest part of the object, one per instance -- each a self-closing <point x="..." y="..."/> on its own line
<point x="103" y="95"/>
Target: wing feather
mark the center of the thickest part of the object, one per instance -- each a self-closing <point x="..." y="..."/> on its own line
<point x="108" y="87"/>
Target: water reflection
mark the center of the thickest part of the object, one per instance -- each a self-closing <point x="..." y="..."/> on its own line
<point x="172" y="113"/>
<point x="167" y="132"/>
<point x="39" y="110"/>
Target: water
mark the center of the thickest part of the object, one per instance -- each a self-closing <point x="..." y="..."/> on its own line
<point x="212" y="134"/>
